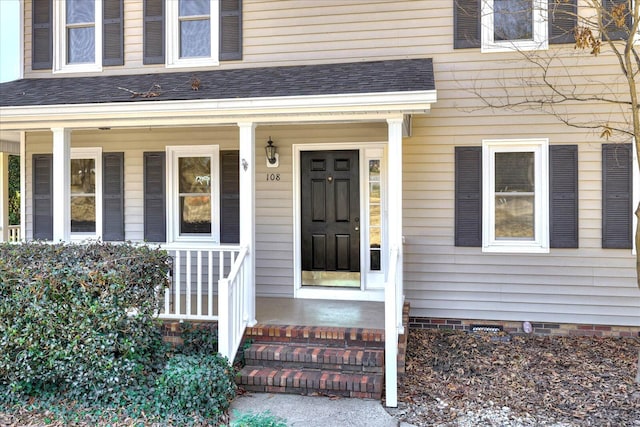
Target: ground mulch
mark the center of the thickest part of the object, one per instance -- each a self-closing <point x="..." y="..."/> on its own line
<point x="455" y="378"/>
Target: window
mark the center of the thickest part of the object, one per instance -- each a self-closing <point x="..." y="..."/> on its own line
<point x="86" y="193"/>
<point x="78" y="36"/>
<point x="514" y="24"/>
<point x="193" y="204"/>
<point x="515" y="195"/>
<point x="192" y="32"/>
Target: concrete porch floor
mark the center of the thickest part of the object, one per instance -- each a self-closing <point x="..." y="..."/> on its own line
<point x="306" y="312"/>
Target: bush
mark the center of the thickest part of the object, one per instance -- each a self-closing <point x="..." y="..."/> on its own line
<point x="198" y="339"/>
<point x="78" y="321"/>
<point x="196" y="389"/>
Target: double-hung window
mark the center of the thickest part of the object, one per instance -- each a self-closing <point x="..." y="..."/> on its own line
<point x="86" y="193"/>
<point x="194" y="209"/>
<point x="515" y="195"/>
<point x="78" y="36"/>
<point x="514" y="25"/>
<point x="192" y="32"/>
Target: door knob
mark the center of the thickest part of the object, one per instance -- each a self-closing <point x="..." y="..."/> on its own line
<point x="357" y="228"/>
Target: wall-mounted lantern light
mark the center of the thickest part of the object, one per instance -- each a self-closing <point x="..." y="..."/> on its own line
<point x="272" y="154"/>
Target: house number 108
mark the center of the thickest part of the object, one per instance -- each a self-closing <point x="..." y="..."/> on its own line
<point x="273" y="177"/>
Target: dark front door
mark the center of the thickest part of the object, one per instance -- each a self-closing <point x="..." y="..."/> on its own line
<point x="330" y="209"/>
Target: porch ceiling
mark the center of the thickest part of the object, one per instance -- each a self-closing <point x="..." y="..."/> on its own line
<point x="325" y="92"/>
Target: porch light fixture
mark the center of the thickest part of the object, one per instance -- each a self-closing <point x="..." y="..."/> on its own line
<point x="272" y="154"/>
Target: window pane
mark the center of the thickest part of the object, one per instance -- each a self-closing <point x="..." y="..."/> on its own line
<point x="83" y="214"/>
<point x="195" y="214"/>
<point x="515" y="172"/>
<point x="83" y="176"/>
<point x="81" y="45"/>
<point x="195" y="38"/>
<point x="80" y="11"/>
<point x="374" y="170"/>
<point x="374" y="237"/>
<point x="194" y="174"/>
<point x="194" y="7"/>
<point x="513" y="20"/>
<point x="374" y="259"/>
<point x="515" y="217"/>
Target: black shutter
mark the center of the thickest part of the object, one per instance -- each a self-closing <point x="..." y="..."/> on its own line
<point x="563" y="196"/>
<point x="42" y="165"/>
<point x="41" y="37"/>
<point x="230" y="196"/>
<point x="468" y="209"/>
<point x="155" y="229"/>
<point x="230" y="29"/>
<point x="616" y="195"/>
<point x="113" y="197"/>
<point x="466" y="24"/>
<point x="562" y="21"/>
<point x="112" y="32"/>
<point x="153" y="32"/>
<point x="611" y="31"/>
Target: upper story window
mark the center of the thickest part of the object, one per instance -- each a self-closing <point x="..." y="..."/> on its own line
<point x="514" y="24"/>
<point x="506" y="25"/>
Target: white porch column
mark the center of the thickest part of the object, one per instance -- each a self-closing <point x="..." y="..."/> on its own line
<point x="23" y="186"/>
<point x="247" y="212"/>
<point x="61" y="184"/>
<point x="4" y="196"/>
<point x="394" y="297"/>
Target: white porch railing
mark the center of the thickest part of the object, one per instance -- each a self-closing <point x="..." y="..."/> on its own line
<point x="392" y="325"/>
<point x="199" y="277"/>
<point x="14" y="233"/>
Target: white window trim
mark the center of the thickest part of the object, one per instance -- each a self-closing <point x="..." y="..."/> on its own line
<point x="540" y="243"/>
<point x="540" y="30"/>
<point x="173" y="202"/>
<point x="60" y="65"/>
<point x="172" y="37"/>
<point x="94" y="153"/>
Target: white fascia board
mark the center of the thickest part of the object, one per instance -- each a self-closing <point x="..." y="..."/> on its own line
<point x="321" y="107"/>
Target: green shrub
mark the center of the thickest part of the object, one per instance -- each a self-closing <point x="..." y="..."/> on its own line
<point x="198" y="338"/>
<point x="196" y="389"/>
<point x="263" y="419"/>
<point x="78" y="321"/>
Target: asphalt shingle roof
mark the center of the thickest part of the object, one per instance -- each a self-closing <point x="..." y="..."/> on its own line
<point x="322" y="79"/>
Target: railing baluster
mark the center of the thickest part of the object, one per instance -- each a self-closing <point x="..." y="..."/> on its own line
<point x="221" y="265"/>
<point x="187" y="307"/>
<point x="210" y="287"/>
<point x="199" y="284"/>
<point x="176" y="283"/>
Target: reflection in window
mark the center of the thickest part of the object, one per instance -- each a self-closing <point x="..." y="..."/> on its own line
<point x="195" y="28"/>
<point x="83" y="196"/>
<point x="512" y="20"/>
<point x="515" y="196"/>
<point x="194" y="187"/>
<point x="81" y="37"/>
<point x="375" y="230"/>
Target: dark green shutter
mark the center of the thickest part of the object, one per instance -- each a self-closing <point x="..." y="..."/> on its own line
<point x="466" y="24"/>
<point x="153" y="39"/>
<point x="155" y="229"/>
<point x="563" y="196"/>
<point x="468" y="197"/>
<point x="616" y="195"/>
<point x="112" y="32"/>
<point x="230" y="196"/>
<point x="611" y="31"/>
<point x="42" y="36"/>
<point x="562" y="21"/>
<point x="42" y="165"/>
<point x="113" y="197"/>
<point x="230" y="30"/>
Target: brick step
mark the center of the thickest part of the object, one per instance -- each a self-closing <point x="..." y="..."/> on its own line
<point x="351" y="359"/>
<point x="311" y="381"/>
<point x="317" y="335"/>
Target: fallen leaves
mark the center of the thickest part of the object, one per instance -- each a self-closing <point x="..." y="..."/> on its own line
<point x="571" y="380"/>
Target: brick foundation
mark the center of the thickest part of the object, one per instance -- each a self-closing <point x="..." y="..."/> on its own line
<point x="539" y="328"/>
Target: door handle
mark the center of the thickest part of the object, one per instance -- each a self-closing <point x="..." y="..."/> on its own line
<point x="357" y="228"/>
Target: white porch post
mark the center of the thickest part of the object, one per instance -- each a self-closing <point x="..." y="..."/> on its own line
<point x="23" y="186"/>
<point x="393" y="297"/>
<point x="247" y="212"/>
<point x="4" y="196"/>
<point x="61" y="184"/>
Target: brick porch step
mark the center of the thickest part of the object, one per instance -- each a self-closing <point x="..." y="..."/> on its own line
<point x="309" y="360"/>
<point x="351" y="359"/>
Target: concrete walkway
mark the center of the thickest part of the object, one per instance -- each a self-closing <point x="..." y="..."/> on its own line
<point x="316" y="411"/>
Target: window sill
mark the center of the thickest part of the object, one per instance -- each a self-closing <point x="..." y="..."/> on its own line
<point x="516" y="249"/>
<point x="193" y="62"/>
<point x="78" y="68"/>
<point x="514" y="46"/>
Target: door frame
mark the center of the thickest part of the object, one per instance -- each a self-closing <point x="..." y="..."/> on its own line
<point x="364" y="293"/>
